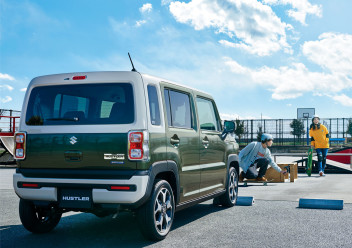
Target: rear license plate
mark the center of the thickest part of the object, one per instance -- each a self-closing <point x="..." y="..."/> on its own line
<point x="75" y="198"/>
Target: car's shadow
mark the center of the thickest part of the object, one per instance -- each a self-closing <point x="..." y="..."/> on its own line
<point x="87" y="230"/>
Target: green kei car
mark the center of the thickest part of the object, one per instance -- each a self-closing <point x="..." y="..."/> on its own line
<point x="104" y="142"/>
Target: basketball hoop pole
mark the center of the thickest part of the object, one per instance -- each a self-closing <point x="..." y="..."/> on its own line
<point x="307" y="133"/>
<point x="306" y="113"/>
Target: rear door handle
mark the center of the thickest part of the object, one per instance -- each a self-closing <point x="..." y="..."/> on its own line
<point x="175" y="141"/>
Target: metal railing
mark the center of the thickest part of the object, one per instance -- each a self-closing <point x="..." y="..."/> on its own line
<point x="11" y="128"/>
<point x="283" y="132"/>
<point x="9" y="122"/>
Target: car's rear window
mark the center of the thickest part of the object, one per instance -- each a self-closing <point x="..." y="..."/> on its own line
<point x="81" y="104"/>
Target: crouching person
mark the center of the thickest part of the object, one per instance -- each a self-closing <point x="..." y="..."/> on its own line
<point x="256" y="156"/>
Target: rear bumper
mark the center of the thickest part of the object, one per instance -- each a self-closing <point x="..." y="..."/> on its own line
<point x="49" y="188"/>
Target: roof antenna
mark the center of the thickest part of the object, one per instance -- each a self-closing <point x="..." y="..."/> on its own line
<point x="133" y="69"/>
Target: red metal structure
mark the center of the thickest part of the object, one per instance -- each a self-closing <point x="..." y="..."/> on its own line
<point x="342" y="159"/>
<point x="8" y="125"/>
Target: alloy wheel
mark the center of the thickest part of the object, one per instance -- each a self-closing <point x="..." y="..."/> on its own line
<point x="233" y="184"/>
<point x="163" y="211"/>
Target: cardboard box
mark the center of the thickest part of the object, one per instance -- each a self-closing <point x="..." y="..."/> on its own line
<point x="276" y="177"/>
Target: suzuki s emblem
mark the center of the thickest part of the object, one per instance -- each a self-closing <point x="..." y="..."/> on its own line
<point x="73" y="140"/>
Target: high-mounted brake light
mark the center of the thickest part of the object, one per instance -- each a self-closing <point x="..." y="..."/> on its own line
<point x="20" y="145"/>
<point x="79" y="77"/>
<point x="138" y="145"/>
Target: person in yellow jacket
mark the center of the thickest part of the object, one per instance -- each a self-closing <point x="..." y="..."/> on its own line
<point x="320" y="141"/>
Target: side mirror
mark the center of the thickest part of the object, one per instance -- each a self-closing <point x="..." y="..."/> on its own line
<point x="229" y="127"/>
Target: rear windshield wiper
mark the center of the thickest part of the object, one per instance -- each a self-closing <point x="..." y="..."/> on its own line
<point x="63" y="119"/>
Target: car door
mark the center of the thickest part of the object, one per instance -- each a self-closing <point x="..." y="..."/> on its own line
<point x="212" y="148"/>
<point x="182" y="139"/>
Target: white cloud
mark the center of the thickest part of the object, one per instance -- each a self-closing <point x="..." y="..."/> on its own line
<point x="332" y="51"/>
<point x="165" y="2"/>
<point x="301" y="8"/>
<point x="5" y="99"/>
<point x="6" y="87"/>
<point x="292" y="82"/>
<point x="343" y="99"/>
<point x="146" y="8"/>
<point x="229" y="116"/>
<point x="6" y="77"/>
<point x="225" y="116"/>
<point x="122" y="28"/>
<point x="250" y="25"/>
<point x="140" y="23"/>
<point x="236" y="67"/>
<point x="23" y="89"/>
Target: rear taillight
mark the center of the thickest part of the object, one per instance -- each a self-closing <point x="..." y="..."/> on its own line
<point x="20" y="145"/>
<point x="138" y="145"/>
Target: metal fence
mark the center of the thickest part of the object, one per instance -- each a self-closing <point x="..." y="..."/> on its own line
<point x="282" y="131"/>
<point x="280" y="128"/>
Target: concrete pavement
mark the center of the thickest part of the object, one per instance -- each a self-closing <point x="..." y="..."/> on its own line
<point x="267" y="223"/>
<point x="333" y="186"/>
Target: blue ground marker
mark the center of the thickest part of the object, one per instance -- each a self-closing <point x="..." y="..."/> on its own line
<point x="321" y="204"/>
<point x="245" y="201"/>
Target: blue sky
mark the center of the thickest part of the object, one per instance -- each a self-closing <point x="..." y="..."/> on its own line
<point x="257" y="58"/>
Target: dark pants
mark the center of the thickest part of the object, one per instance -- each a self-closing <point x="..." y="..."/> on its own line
<point x="262" y="164"/>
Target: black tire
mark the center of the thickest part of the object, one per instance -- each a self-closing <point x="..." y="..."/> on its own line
<point x="36" y="219"/>
<point x="157" y="214"/>
<point x="230" y="197"/>
<point x="216" y="201"/>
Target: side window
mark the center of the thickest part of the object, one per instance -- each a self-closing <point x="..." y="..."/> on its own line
<point x="207" y="116"/>
<point x="178" y="109"/>
<point x="153" y="105"/>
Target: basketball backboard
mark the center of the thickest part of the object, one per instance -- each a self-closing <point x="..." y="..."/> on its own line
<point x="305" y="113"/>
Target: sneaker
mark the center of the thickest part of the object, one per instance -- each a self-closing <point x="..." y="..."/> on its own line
<point x="241" y="177"/>
<point x="323" y="174"/>
<point x="261" y="179"/>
